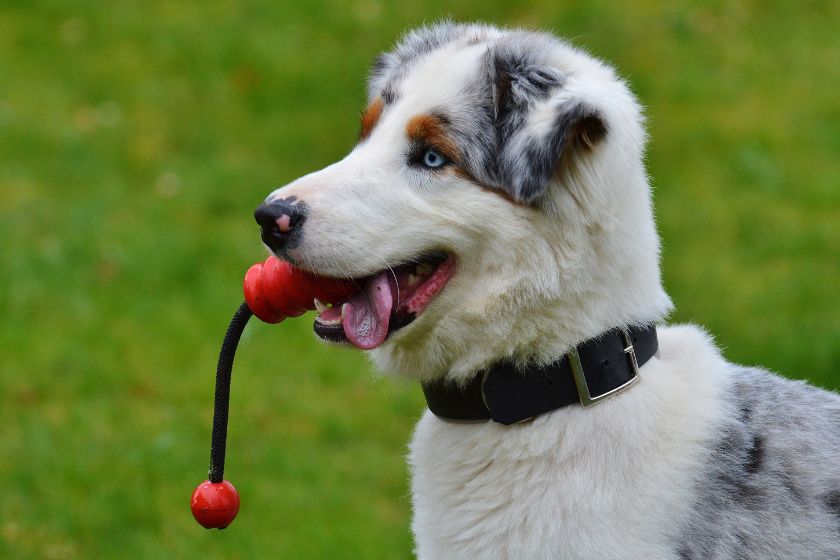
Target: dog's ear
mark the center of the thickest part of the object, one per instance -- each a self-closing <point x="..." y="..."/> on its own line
<point x="538" y="126"/>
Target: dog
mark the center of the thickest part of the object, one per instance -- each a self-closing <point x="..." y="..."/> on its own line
<point x="496" y="217"/>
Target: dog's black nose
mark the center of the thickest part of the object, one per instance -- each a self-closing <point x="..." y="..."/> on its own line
<point x="281" y="222"/>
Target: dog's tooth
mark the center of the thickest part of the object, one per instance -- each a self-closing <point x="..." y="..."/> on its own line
<point x="413" y="279"/>
<point x="423" y="269"/>
<point x="342" y="311"/>
<point x="319" y="305"/>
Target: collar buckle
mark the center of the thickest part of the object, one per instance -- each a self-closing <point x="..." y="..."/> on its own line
<point x="586" y="398"/>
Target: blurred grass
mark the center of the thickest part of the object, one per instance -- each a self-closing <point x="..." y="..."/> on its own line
<point x="137" y="137"/>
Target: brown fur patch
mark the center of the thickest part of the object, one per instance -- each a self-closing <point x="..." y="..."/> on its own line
<point x="370" y="117"/>
<point x="589" y="131"/>
<point x="582" y="137"/>
<point x="431" y="130"/>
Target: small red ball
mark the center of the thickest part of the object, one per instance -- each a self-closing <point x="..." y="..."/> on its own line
<point x="215" y="505"/>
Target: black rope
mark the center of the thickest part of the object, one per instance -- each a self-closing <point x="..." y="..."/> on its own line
<point x="222" y="398"/>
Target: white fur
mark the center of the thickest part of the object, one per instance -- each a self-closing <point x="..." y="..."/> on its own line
<point x="550" y="489"/>
<point x="616" y="481"/>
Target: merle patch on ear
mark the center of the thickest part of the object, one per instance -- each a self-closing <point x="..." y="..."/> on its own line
<point x="528" y="161"/>
<point x="530" y="152"/>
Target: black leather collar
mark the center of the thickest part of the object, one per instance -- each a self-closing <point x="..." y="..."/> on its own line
<point x="594" y="370"/>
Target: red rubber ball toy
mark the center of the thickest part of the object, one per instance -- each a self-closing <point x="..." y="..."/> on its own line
<point x="215" y="504"/>
<point x="274" y="290"/>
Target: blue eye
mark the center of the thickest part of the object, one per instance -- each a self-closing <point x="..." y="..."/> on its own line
<point x="433" y="159"/>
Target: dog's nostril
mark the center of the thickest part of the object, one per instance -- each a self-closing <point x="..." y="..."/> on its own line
<point x="266" y="214"/>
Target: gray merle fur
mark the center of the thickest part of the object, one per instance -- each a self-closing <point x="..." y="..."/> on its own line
<point x="771" y="488"/>
<point x="490" y="125"/>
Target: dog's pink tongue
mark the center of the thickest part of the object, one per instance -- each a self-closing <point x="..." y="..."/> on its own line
<point x="366" y="315"/>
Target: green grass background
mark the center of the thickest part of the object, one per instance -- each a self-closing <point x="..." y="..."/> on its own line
<point x="136" y="137"/>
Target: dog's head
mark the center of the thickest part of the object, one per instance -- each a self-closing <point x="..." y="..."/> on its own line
<point x="496" y="205"/>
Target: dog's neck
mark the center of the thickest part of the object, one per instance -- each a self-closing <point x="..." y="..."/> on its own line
<point x="590" y="373"/>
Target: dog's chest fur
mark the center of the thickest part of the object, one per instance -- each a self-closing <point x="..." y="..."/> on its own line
<point x="661" y="472"/>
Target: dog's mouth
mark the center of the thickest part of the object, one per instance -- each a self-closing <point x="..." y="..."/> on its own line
<point x="386" y="302"/>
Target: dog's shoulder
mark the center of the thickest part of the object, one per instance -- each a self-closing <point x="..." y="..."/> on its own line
<point x="771" y="471"/>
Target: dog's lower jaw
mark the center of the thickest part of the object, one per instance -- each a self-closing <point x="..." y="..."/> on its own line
<point x="532" y="310"/>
